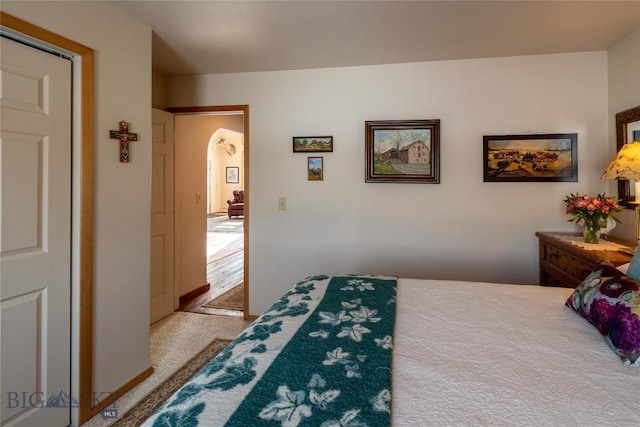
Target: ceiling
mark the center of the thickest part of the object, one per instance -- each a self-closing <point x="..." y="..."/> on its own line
<point x="212" y="37"/>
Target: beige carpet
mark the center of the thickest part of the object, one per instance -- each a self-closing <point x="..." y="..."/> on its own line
<point x="174" y="341"/>
<point x="145" y="408"/>
<point x="233" y="299"/>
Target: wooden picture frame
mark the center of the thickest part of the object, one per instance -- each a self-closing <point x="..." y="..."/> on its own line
<point x="315" y="169"/>
<point x="627" y="124"/>
<point x="531" y="158"/>
<point x="233" y="175"/>
<point x="402" y="151"/>
<point x="312" y="144"/>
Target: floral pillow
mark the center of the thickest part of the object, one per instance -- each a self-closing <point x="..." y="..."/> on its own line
<point x="610" y="301"/>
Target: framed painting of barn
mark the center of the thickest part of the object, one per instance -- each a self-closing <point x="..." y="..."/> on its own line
<point x="526" y="158"/>
<point x="402" y="151"/>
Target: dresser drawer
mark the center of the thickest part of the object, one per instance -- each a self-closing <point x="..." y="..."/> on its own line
<point x="574" y="266"/>
<point x="564" y="264"/>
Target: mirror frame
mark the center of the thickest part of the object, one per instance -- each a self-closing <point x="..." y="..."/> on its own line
<point x="622" y="119"/>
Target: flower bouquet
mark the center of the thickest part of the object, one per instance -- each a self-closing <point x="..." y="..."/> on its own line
<point x="592" y="213"/>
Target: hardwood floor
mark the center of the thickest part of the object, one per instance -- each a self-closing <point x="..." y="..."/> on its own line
<point x="225" y="264"/>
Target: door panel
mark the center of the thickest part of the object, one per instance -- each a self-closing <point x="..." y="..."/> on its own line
<point x="23" y="155"/>
<point x="162" y="292"/>
<point x="35" y="230"/>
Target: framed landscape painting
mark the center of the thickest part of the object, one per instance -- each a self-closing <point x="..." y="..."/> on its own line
<point x="312" y="144"/>
<point x="522" y="158"/>
<point x="402" y="151"/>
<point x="315" y="169"/>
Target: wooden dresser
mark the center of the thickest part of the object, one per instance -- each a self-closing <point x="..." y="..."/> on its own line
<point x="565" y="264"/>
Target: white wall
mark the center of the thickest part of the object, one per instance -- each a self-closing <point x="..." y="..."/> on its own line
<point x="122" y="191"/>
<point x="462" y="228"/>
<point x="624" y="93"/>
<point x="158" y="91"/>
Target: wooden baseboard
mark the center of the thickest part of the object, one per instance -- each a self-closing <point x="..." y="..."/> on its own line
<point x="189" y="296"/>
<point x="107" y="401"/>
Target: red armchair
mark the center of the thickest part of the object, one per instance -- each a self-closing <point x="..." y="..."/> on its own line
<point x="236" y="206"/>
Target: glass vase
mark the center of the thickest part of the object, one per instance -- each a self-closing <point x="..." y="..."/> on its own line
<point x="592" y="228"/>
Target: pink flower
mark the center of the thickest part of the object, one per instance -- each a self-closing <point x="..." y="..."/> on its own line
<point x="583" y="208"/>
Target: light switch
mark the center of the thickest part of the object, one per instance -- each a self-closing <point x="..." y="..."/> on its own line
<point x="282" y="203"/>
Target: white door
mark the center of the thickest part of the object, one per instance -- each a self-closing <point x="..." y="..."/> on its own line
<point x="162" y="214"/>
<point x="35" y="233"/>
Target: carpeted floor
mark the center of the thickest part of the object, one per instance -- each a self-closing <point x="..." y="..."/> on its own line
<point x="174" y="341"/>
<point x="181" y="336"/>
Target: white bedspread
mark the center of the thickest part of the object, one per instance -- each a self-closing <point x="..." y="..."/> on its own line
<point x="468" y="354"/>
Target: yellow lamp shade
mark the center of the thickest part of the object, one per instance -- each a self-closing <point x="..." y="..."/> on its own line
<point x="626" y="165"/>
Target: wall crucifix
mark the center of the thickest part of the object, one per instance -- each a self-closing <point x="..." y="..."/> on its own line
<point x="125" y="137"/>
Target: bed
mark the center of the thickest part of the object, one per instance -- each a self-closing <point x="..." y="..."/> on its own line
<point x="375" y="350"/>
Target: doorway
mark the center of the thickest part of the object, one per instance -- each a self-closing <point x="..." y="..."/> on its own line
<point x="225" y="221"/>
<point x="211" y="163"/>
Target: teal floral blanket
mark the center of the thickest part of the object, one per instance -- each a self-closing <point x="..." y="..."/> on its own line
<point x="321" y="356"/>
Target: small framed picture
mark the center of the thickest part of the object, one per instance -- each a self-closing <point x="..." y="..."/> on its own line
<point x="528" y="158"/>
<point x="233" y="174"/>
<point x="315" y="169"/>
<point x="312" y="144"/>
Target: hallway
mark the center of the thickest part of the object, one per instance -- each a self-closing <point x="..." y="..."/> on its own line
<point x="225" y="263"/>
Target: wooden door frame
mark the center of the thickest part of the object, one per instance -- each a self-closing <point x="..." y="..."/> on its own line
<point x="245" y="164"/>
<point x="84" y="395"/>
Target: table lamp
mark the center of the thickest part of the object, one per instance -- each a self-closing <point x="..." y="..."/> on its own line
<point x="626" y="165"/>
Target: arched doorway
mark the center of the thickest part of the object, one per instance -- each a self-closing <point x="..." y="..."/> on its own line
<point x="225" y="169"/>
